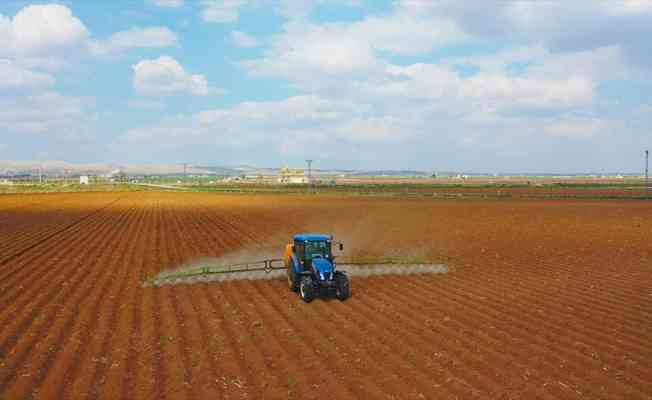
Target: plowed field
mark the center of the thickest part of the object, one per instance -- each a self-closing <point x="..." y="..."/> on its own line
<point x="545" y="299"/>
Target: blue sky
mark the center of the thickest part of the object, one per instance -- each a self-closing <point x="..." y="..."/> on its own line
<point x="493" y="86"/>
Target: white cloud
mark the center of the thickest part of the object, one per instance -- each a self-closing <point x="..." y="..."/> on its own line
<point x="45" y="113"/>
<point x="579" y="126"/>
<point x="498" y="62"/>
<point x="407" y="31"/>
<point x="167" y="3"/>
<point x="442" y="85"/>
<point x="152" y="37"/>
<point x="146" y="104"/>
<point x="51" y="37"/>
<point x="310" y="54"/>
<point x="39" y="31"/>
<point x="600" y="64"/>
<point x="14" y="77"/>
<point x="221" y="11"/>
<point x="165" y="76"/>
<point x="628" y="7"/>
<point x="300" y="9"/>
<point x="243" y="40"/>
<point x="257" y="122"/>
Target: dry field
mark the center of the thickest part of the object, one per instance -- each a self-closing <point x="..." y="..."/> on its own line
<point x="546" y="299"/>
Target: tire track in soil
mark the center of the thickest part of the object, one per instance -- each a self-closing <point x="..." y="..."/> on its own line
<point x="57" y="232"/>
<point x="10" y="282"/>
<point x="291" y="353"/>
<point x="239" y="373"/>
<point x="269" y="384"/>
<point x="96" y="351"/>
<point x="468" y="369"/>
<point x="339" y="364"/>
<point x="70" y="299"/>
<point x="15" y="328"/>
<point x="563" y="335"/>
<point x="297" y="378"/>
<point x="205" y="378"/>
<point x="542" y="344"/>
<point x="408" y="375"/>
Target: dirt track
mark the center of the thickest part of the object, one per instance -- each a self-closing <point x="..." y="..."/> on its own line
<point x="548" y="299"/>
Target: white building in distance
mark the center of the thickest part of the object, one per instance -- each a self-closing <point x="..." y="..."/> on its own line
<point x="292" y="176"/>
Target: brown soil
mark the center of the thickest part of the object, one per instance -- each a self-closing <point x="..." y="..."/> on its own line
<point x="545" y="299"/>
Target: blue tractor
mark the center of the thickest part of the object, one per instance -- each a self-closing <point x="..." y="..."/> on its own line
<point x="311" y="268"/>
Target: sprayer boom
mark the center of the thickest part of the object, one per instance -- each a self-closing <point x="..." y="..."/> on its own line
<point x="263" y="265"/>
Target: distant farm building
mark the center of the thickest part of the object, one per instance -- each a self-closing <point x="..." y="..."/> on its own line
<point x="83" y="180"/>
<point x="290" y="176"/>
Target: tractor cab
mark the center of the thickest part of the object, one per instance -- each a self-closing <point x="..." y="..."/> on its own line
<point x="311" y="266"/>
<point x="312" y="247"/>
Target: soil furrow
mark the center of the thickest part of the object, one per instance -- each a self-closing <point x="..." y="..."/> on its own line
<point x="8" y="258"/>
<point x="555" y="310"/>
<point x="82" y="350"/>
<point x="11" y="281"/>
<point x="465" y="357"/>
<point x="33" y="308"/>
<point x="341" y="364"/>
<point x="549" y="347"/>
<point x="293" y="355"/>
<point x="70" y="299"/>
<point x="239" y="378"/>
<point x="97" y="351"/>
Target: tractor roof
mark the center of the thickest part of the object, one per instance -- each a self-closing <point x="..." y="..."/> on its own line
<point x="312" y="237"/>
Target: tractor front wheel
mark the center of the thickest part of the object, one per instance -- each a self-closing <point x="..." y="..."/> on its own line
<point x="307" y="289"/>
<point x="342" y="289"/>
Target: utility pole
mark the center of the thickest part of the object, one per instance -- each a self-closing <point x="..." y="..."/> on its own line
<point x="309" y="174"/>
<point x="647" y="161"/>
<point x="185" y="169"/>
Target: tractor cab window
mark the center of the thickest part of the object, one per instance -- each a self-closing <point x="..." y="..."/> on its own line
<point x="318" y="249"/>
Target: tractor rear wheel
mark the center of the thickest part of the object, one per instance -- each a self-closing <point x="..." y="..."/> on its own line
<point x="342" y="289"/>
<point x="307" y="289"/>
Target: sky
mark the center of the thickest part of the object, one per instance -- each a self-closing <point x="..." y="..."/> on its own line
<point x="436" y="85"/>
